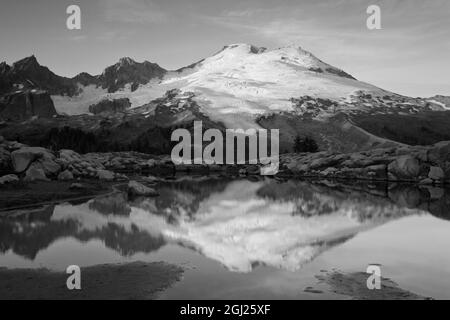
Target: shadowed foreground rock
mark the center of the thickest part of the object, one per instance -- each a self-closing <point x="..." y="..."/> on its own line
<point x="137" y="280"/>
<point x="354" y="285"/>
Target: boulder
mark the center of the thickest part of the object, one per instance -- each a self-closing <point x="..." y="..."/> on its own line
<point x="329" y="171"/>
<point x="439" y="152"/>
<point x="35" y="174"/>
<point x="65" y="175"/>
<point x="50" y="167"/>
<point x="406" y="167"/>
<point x="105" y="175"/>
<point x="22" y="158"/>
<point x="138" y="189"/>
<point x="436" y="173"/>
<point x="69" y="156"/>
<point x="8" y="179"/>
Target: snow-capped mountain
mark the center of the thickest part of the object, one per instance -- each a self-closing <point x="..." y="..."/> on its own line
<point x="237" y="84"/>
<point x="240" y="79"/>
<point x="244" y="86"/>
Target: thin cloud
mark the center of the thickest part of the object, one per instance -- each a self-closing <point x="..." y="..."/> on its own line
<point x="133" y="11"/>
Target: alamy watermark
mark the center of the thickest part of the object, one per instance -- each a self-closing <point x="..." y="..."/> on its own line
<point x="73" y="22"/>
<point x="237" y="147"/>
<point x="374" y="20"/>
<point x="74" y="280"/>
<point x="374" y="280"/>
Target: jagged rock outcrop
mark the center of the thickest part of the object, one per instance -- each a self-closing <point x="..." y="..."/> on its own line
<point x="128" y="71"/>
<point x="110" y="106"/>
<point x="22" y="105"/>
<point x="29" y="74"/>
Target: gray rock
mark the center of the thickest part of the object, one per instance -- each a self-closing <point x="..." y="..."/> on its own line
<point x="439" y="152"/>
<point x="329" y="171"/>
<point x="22" y="158"/>
<point x="426" y="181"/>
<point x="69" y="156"/>
<point x="50" y="167"/>
<point x="105" y="175"/>
<point x="405" y="167"/>
<point x="436" y="173"/>
<point x="8" y="179"/>
<point x="34" y="174"/>
<point x="138" y="189"/>
<point x="436" y="193"/>
<point x="65" y="175"/>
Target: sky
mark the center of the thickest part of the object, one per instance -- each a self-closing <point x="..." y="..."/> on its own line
<point x="409" y="55"/>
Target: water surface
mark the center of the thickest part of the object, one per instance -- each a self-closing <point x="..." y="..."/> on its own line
<point x="263" y="239"/>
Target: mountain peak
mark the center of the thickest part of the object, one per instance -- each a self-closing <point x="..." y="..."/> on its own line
<point x="126" y="61"/>
<point x="26" y="63"/>
<point x="4" y="67"/>
<point x="243" y="48"/>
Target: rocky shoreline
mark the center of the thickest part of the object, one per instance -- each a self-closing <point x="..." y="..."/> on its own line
<point x="427" y="165"/>
<point x="415" y="164"/>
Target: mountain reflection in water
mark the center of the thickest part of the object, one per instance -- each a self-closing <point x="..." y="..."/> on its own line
<point x="239" y="223"/>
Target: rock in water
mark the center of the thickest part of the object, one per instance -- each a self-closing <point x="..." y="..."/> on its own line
<point x="436" y="173"/>
<point x="405" y="167"/>
<point x="24" y="105"/>
<point x="138" y="189"/>
<point x="8" y="179"/>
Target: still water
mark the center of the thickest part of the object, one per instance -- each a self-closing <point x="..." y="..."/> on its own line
<point x="242" y="239"/>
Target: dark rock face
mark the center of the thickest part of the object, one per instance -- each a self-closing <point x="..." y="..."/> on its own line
<point x="23" y="105"/>
<point x="29" y="74"/>
<point x="86" y="79"/>
<point x="110" y="106"/>
<point x="340" y="73"/>
<point x="129" y="71"/>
